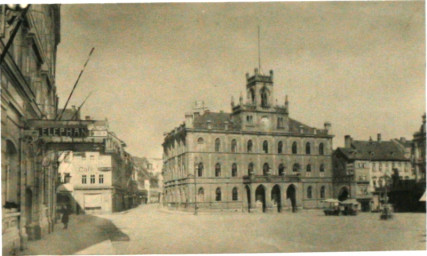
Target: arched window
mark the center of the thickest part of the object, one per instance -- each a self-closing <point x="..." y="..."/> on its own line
<point x="200" y="170"/>
<point x="307" y="148"/>
<point x="252" y="95"/>
<point x="265" y="147"/>
<point x="308" y="168"/>
<point x="321" y="149"/>
<point x="250" y="146"/>
<point x="234" y="170"/>
<point x="281" y="170"/>
<point x="309" y="192"/>
<point x="322" y="192"/>
<point x="233" y="146"/>
<point x="218" y="194"/>
<point x="200" y="143"/>
<point x="235" y="194"/>
<point x="294" y="148"/>
<point x="201" y="195"/>
<point x="296" y="168"/>
<point x="280" y="147"/>
<point x="264" y="97"/>
<point x="265" y="169"/>
<point x="217" y="170"/>
<point x="322" y="168"/>
<point x="217" y="145"/>
<point x="250" y="168"/>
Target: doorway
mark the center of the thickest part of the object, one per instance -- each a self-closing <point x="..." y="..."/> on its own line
<point x="291" y="195"/>
<point x="276" y="198"/>
<point x="260" y="197"/>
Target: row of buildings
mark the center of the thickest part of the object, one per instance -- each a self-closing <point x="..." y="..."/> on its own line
<point x="257" y="158"/>
<point x="52" y="158"/>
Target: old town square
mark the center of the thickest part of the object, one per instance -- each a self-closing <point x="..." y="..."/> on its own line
<point x="192" y="128"/>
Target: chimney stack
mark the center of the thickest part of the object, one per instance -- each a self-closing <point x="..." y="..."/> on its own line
<point x="327" y="126"/>
<point x="189" y="120"/>
<point x="348" y="141"/>
<point x="379" y="137"/>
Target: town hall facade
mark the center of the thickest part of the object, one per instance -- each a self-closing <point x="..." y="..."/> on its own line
<point x="255" y="158"/>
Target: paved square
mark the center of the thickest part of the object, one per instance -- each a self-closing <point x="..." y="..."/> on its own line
<point x="149" y="229"/>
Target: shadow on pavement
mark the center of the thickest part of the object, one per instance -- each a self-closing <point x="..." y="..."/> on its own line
<point x="83" y="231"/>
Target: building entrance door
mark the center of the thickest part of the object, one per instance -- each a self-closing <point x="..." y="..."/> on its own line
<point x="291" y="195"/>
<point x="260" y="197"/>
<point x="276" y="197"/>
<point x="343" y="195"/>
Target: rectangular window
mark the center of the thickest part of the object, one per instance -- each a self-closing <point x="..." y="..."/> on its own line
<point x="101" y="179"/>
<point x="92" y="158"/>
<point x="83" y="179"/>
<point x="280" y="122"/>
<point x="92" y="179"/>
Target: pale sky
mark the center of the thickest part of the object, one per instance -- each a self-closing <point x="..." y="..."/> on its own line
<point x="359" y="65"/>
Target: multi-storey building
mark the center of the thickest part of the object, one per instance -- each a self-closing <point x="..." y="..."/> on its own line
<point x="95" y="170"/>
<point x="362" y="169"/>
<point x="255" y="158"/>
<point x="28" y="87"/>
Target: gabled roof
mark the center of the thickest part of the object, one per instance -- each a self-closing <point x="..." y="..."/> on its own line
<point x="374" y="151"/>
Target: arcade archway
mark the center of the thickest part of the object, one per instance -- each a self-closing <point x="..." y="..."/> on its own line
<point x="291" y="195"/>
<point x="276" y="198"/>
<point x="260" y="196"/>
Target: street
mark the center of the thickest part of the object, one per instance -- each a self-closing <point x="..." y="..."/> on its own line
<point x="149" y="229"/>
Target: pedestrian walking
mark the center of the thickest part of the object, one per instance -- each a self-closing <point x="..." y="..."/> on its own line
<point x="65" y="216"/>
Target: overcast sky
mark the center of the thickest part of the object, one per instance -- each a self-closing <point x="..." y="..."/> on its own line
<point x="360" y="66"/>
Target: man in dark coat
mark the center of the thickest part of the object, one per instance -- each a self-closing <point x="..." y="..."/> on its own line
<point x="65" y="216"/>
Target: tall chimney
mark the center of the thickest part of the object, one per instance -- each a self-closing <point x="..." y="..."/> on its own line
<point x="379" y="137"/>
<point x="348" y="140"/>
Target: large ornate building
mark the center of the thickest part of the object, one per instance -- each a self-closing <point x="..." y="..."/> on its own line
<point x="255" y="158"/>
<point x="28" y="92"/>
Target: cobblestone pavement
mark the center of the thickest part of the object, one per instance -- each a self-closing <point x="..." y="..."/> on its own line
<point x="152" y="230"/>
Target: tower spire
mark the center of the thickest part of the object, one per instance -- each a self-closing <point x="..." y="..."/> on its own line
<point x="259" y="49"/>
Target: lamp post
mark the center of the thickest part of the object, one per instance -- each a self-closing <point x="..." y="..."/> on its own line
<point x="195" y="188"/>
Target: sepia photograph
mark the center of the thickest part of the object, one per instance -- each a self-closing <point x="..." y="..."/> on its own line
<point x="213" y="127"/>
